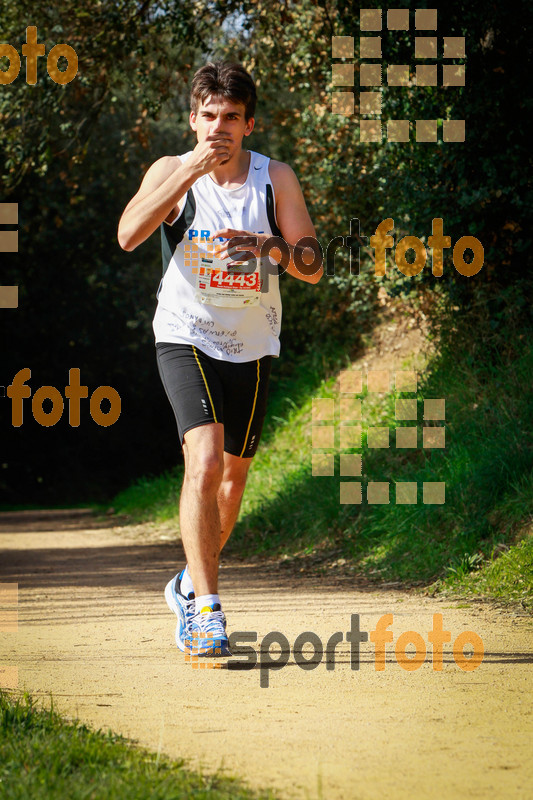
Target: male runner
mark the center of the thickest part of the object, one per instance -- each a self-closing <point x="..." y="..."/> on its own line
<point x="217" y="321"/>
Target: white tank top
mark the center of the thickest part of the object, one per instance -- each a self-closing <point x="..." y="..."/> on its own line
<point x="229" y="317"/>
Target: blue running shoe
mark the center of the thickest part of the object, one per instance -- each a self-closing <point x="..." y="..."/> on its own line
<point x="183" y="607"/>
<point x="207" y="633"/>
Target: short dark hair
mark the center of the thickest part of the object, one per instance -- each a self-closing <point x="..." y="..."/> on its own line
<point x="224" y="79"/>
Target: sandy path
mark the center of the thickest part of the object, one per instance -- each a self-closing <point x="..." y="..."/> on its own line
<point x="95" y="631"/>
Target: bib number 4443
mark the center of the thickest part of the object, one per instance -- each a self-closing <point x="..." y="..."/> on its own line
<point x="238" y="281"/>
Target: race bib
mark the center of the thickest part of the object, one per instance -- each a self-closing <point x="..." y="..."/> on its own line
<point x="216" y="286"/>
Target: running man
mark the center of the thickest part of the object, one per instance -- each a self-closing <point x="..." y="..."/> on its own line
<point x="218" y="318"/>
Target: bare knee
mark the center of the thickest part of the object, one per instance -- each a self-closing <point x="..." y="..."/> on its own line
<point x="204" y="470"/>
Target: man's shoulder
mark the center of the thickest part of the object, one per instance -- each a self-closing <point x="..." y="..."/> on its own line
<point x="169" y="163"/>
<point x="282" y="175"/>
<point x="279" y="168"/>
<point x="163" y="166"/>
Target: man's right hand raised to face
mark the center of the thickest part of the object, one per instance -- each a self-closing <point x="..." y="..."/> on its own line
<point x="212" y="152"/>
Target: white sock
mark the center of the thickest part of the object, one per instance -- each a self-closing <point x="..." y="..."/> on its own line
<point x="186" y="586"/>
<point x="206" y="601"/>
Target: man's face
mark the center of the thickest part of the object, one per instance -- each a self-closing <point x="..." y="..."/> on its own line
<point x="218" y="115"/>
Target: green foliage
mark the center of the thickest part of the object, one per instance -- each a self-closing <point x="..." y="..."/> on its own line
<point x="465" y="565"/>
<point x="505" y="576"/>
<point x="151" y="497"/>
<point x="119" y="45"/>
<point x="44" y="757"/>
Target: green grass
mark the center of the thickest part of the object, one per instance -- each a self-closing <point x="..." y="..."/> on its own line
<point x="154" y="498"/>
<point x="483" y="373"/>
<point x="44" y="756"/>
<point x="506" y="576"/>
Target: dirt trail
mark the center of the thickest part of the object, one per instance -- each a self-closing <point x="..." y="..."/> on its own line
<point x="94" y="630"/>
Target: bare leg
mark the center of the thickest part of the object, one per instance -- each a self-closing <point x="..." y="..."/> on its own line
<point x="211" y="496"/>
<point x="230" y="492"/>
<point x="203" y="450"/>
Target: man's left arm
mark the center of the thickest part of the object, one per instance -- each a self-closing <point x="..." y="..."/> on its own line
<point x="302" y="261"/>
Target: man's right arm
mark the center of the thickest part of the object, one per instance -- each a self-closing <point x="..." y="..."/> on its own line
<point x="163" y="186"/>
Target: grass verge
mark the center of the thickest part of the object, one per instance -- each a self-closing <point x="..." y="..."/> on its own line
<point x="44" y="756"/>
<point x="505" y="576"/>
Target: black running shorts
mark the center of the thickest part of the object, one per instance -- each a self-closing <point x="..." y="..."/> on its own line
<point x="202" y="389"/>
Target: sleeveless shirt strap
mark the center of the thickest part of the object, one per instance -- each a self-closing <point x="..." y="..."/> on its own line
<point x="270" y="211"/>
<point x="185" y="219"/>
<point x="173" y="234"/>
<point x="272" y="217"/>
